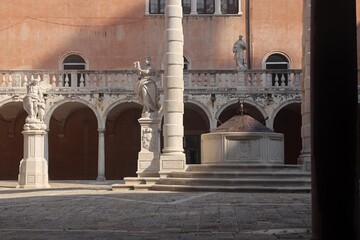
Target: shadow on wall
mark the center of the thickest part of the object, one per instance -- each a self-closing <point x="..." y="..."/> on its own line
<point x="12" y="120"/>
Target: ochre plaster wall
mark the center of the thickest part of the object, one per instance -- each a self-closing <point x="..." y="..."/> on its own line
<point x="111" y="34"/>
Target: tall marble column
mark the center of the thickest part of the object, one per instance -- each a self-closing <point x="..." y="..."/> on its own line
<point x="334" y="102"/>
<point x="173" y="157"/>
<point x="101" y="156"/>
<point x="305" y="156"/>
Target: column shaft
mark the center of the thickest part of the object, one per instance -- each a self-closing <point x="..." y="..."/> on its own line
<point x="101" y="156"/>
<point x="173" y="157"/>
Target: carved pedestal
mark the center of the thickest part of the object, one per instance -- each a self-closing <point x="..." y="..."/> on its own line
<point x="149" y="156"/>
<point x="33" y="170"/>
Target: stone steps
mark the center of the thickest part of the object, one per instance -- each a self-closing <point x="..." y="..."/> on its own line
<point x="237" y="177"/>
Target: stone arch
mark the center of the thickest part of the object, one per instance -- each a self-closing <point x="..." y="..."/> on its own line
<point x="287" y="120"/>
<point x="278" y="108"/>
<point x="12" y="120"/>
<point x="196" y="122"/>
<point x="203" y="108"/>
<point x="122" y="139"/>
<point x="72" y="140"/>
<point x="263" y="62"/>
<point x="63" y="57"/>
<point x="261" y="116"/>
<point x="50" y="112"/>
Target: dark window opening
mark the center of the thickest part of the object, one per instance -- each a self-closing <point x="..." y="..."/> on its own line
<point x="205" y="6"/>
<point x="157" y="6"/>
<point x="278" y="62"/>
<point x="229" y="6"/>
<point x="73" y="62"/>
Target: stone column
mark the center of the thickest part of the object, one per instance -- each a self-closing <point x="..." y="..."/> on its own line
<point x="147" y="7"/>
<point x="217" y="7"/>
<point x="305" y="156"/>
<point x="334" y="102"/>
<point x="101" y="156"/>
<point x="149" y="156"/>
<point x="33" y="170"/>
<point x="173" y="157"/>
<point x="193" y="7"/>
<point x="239" y="6"/>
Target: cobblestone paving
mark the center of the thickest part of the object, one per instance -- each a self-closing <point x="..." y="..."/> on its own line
<point x="93" y="211"/>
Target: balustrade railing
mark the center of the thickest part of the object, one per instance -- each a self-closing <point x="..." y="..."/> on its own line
<point x="125" y="79"/>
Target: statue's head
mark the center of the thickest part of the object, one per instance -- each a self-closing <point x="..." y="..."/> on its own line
<point x="148" y="60"/>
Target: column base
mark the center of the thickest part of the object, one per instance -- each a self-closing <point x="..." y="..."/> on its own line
<point x="171" y="162"/>
<point x="101" y="179"/>
<point x="305" y="160"/>
<point x="33" y="173"/>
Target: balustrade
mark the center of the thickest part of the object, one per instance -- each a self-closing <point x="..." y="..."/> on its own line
<point x="82" y="80"/>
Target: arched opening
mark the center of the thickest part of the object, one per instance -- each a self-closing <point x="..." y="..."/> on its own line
<point x="195" y="123"/>
<point x="73" y="62"/>
<point x="278" y="61"/>
<point x="122" y="141"/>
<point x="73" y="143"/>
<point x="12" y="120"/>
<point x="234" y="109"/>
<point x="288" y="122"/>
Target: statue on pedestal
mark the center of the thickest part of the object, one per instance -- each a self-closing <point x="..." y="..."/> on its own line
<point x="146" y="89"/>
<point x="238" y="49"/>
<point x="34" y="105"/>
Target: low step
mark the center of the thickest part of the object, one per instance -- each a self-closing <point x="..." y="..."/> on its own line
<point x="233" y="174"/>
<point x="264" y="182"/>
<point x="244" y="167"/>
<point x="183" y="188"/>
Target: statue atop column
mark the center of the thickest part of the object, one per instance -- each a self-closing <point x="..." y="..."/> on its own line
<point x="238" y="49"/>
<point x="34" y="105"/>
<point x="146" y="89"/>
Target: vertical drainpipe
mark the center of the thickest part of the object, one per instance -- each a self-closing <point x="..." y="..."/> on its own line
<point x="248" y="32"/>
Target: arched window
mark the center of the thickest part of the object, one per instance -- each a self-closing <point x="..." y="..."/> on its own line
<point x="279" y="62"/>
<point x="73" y="79"/>
<point x="74" y="62"/>
<point x="186" y="64"/>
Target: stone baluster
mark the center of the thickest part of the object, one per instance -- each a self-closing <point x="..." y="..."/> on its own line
<point x="82" y="80"/>
<point x="3" y="80"/>
<point x="66" y="80"/>
<point x="10" y="83"/>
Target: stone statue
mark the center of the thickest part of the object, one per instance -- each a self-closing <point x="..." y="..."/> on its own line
<point x="238" y="49"/>
<point x="146" y="89"/>
<point x="34" y="105"/>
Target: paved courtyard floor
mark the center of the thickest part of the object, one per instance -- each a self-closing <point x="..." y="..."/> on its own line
<point x="91" y="210"/>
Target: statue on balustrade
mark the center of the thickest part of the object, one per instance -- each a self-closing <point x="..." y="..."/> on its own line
<point x="34" y="105"/>
<point x="146" y="89"/>
<point x="238" y="49"/>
